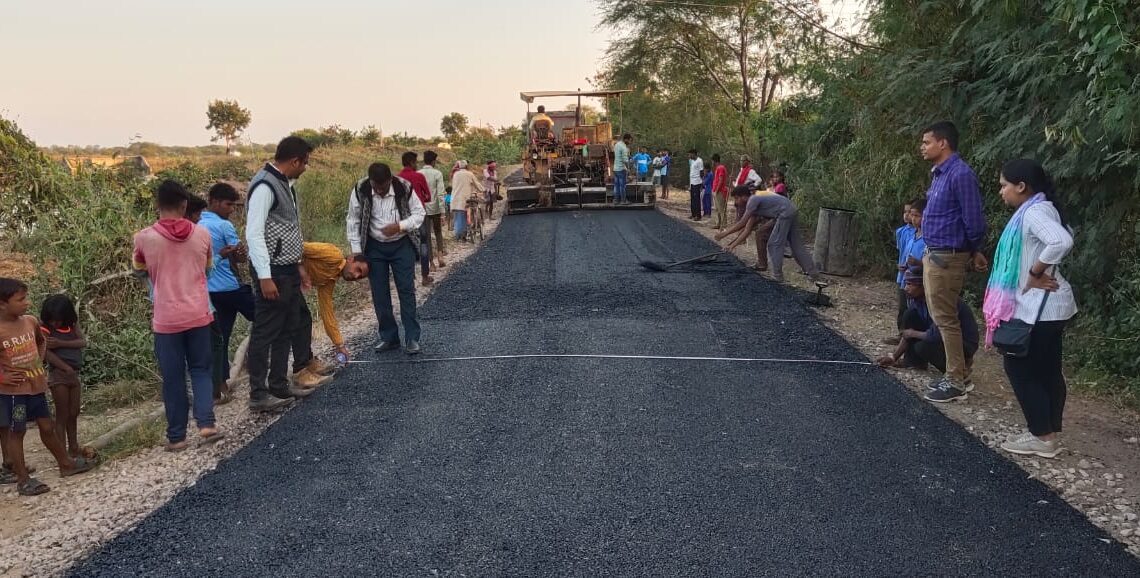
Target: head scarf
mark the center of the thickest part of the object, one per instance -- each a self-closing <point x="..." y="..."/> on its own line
<point x="1000" y="302"/>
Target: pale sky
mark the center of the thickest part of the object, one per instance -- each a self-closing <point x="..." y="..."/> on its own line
<point x="101" y="71"/>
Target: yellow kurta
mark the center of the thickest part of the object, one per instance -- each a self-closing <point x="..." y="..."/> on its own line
<point x="324" y="262"/>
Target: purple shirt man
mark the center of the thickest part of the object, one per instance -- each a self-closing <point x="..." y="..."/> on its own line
<point x="953" y="218"/>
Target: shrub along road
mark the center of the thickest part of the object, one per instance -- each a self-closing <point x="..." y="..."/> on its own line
<point x="607" y="466"/>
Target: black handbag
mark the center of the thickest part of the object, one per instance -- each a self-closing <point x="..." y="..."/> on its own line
<point x="1011" y="337"/>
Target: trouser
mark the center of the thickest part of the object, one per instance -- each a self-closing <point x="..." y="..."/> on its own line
<point x="436" y="223"/>
<point x="763" y="235"/>
<point x="664" y="178"/>
<point x="920" y="352"/>
<point x="707" y="203"/>
<point x="218" y="366"/>
<point x="399" y="258"/>
<point x="227" y="305"/>
<point x="695" y="201"/>
<point x="786" y="233"/>
<point x="177" y="352"/>
<point x="903" y="304"/>
<point x="721" y="211"/>
<point x="425" y="248"/>
<point x="276" y="329"/>
<point x="460" y="220"/>
<point x="619" y="186"/>
<point x="943" y="283"/>
<point x="1038" y="379"/>
<point x="301" y="338"/>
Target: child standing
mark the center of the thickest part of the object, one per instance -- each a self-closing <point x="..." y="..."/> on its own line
<point x="23" y="387"/>
<point x="175" y="253"/>
<point x="65" y="345"/>
<point x="707" y="194"/>
<point x="903" y="236"/>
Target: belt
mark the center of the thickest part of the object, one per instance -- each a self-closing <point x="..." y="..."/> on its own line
<point x="948" y="250"/>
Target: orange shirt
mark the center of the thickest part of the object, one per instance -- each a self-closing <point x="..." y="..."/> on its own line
<point x="21" y="357"/>
<point x="324" y="262"/>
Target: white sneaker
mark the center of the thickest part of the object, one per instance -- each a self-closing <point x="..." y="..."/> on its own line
<point x="1028" y="444"/>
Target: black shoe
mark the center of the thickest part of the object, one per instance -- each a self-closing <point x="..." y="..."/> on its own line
<point x="268" y="403"/>
<point x="413" y="348"/>
<point x="947" y="392"/>
<point x="387" y="346"/>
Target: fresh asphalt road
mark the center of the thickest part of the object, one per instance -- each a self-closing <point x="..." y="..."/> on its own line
<point x="614" y="466"/>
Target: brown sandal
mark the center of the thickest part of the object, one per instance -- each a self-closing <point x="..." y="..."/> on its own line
<point x="175" y="447"/>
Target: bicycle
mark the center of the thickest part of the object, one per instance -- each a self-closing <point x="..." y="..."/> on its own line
<point x="475" y="219"/>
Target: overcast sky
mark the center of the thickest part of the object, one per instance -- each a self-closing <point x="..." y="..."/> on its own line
<point x="87" y="72"/>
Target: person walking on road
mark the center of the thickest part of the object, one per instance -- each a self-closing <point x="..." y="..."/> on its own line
<point x="383" y="217"/>
<point x="491" y="186"/>
<point x="464" y="186"/>
<point x="784" y="233"/>
<point x="273" y="234"/>
<point x="423" y="192"/>
<point x="435" y="208"/>
<point x="621" y="164"/>
<point x="1027" y="286"/>
<point x="954" y="228"/>
<point x="696" y="183"/>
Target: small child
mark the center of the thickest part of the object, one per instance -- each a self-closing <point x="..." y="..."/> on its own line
<point x="903" y="236"/>
<point x="23" y="389"/>
<point x="777" y="184"/>
<point x="706" y="192"/>
<point x="447" y="204"/>
<point x="917" y="245"/>
<point x="65" y="344"/>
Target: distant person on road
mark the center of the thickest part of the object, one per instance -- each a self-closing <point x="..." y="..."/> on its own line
<point x="491" y="186"/>
<point x="954" y="227"/>
<point x="326" y="265"/>
<point x="720" y="193"/>
<point x="23" y="388"/>
<point x="383" y="216"/>
<point x="435" y="208"/>
<point x="920" y="343"/>
<point x="641" y="160"/>
<point x="273" y="232"/>
<point x="621" y="164"/>
<point x="464" y="186"/>
<point x="696" y="183"/>
<point x="784" y="233"/>
<point x="175" y="254"/>
<point x="423" y="192"/>
<point x="1026" y="285"/>
<point x="229" y="295"/>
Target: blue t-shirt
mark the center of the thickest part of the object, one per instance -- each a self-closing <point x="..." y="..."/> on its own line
<point x="903" y="237"/>
<point x="642" y="160"/>
<point x="222" y="234"/>
<point x="708" y="181"/>
<point x="916" y="248"/>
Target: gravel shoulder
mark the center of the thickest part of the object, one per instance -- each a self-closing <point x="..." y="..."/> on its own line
<point x="1099" y="474"/>
<point x="45" y="535"/>
<point x="602" y="466"/>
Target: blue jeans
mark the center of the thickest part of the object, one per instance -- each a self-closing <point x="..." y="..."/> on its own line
<point x="459" y="223"/>
<point x="176" y="352"/>
<point x="400" y="258"/>
<point x="619" y="186"/>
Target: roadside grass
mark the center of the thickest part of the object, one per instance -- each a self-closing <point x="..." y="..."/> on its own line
<point x="147" y="434"/>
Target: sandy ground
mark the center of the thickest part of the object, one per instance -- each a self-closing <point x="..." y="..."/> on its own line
<point x="44" y="535"/>
<point x="1099" y="474"/>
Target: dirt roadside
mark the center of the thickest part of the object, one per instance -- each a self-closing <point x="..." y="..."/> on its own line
<point x="1099" y="473"/>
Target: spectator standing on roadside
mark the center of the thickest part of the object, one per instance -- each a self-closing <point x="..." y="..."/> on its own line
<point x="954" y="227"/>
<point x="383" y="216"/>
<point x="1026" y="285"/>
<point x="273" y="233"/>
<point x="747" y="177"/>
<point x="641" y="160"/>
<point x="228" y="294"/>
<point x="64" y="356"/>
<point x="720" y="193"/>
<point x="464" y="186"/>
<point x="696" y="182"/>
<point x="666" y="159"/>
<point x="435" y="208"/>
<point x="707" y="192"/>
<point x="491" y="187"/>
<point x="423" y="192"/>
<point x="175" y="254"/>
<point x="903" y="236"/>
<point x="621" y="164"/>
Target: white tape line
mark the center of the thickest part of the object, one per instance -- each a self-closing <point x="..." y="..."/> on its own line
<point x="603" y="356"/>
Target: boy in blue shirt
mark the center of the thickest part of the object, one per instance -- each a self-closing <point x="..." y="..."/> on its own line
<point x="903" y="236"/>
<point x="228" y="294"/>
<point x="641" y="161"/>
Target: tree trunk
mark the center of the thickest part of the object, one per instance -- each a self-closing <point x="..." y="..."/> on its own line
<point x="835" y="240"/>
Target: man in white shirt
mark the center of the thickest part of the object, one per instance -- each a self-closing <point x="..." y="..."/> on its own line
<point x="383" y="218"/>
<point x="696" y="182"/>
<point x="434" y="209"/>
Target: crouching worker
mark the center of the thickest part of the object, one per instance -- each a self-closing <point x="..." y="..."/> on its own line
<point x="23" y="388"/>
<point x="920" y="342"/>
<point x="326" y="264"/>
<point x="785" y="232"/>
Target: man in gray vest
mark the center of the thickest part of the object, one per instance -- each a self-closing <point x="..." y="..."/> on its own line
<point x="383" y="218"/>
<point x="273" y="232"/>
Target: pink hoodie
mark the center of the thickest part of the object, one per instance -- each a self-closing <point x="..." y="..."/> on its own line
<point x="175" y="253"/>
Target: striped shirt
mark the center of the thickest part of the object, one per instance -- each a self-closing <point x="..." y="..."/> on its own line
<point x="953" y="218"/>
<point x="1044" y="239"/>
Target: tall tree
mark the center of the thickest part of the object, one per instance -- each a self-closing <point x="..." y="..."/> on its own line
<point x="453" y="125"/>
<point x="227" y="119"/>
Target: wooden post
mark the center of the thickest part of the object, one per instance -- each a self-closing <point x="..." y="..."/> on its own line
<point x="835" y="240"/>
